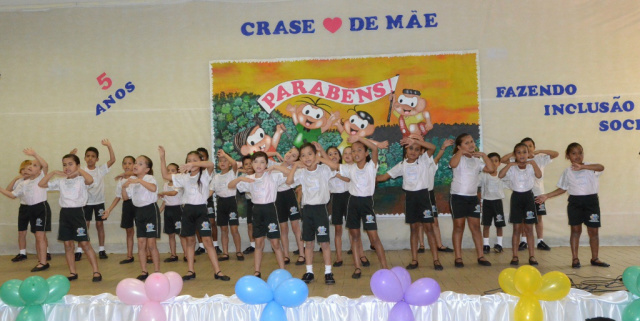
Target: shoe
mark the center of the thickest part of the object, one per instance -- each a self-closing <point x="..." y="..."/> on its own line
<point x="48" y="256"/>
<point x="19" y="257"/>
<point x="372" y="248"/>
<point x="533" y="261"/>
<point x="337" y="264"/>
<point x="103" y="255"/>
<point x="482" y="261"/>
<point x="223" y="257"/>
<point x="190" y="275"/>
<point x="349" y="252"/>
<point x="543" y="246"/>
<point x="184" y="258"/>
<point x="412" y="266"/>
<point x="218" y="250"/>
<point x="445" y="249"/>
<point x="328" y="279"/>
<point x="40" y="267"/>
<point x="458" y="263"/>
<point x="96" y="278"/>
<point x="251" y="249"/>
<point x="127" y="260"/>
<point x="437" y="265"/>
<point x="365" y="262"/>
<point x="173" y="258"/>
<point x="514" y="261"/>
<point x="217" y="276"/>
<point x="357" y="273"/>
<point x="595" y="262"/>
<point x="296" y="252"/>
<point x="575" y="263"/>
<point x="298" y="262"/>
<point x="497" y="248"/>
<point x="486" y="249"/>
<point x="320" y="250"/>
<point x="143" y="276"/>
<point x="200" y="251"/>
<point x="78" y="256"/>
<point x="257" y="274"/>
<point x="421" y="249"/>
<point x="287" y="260"/>
<point x="523" y="246"/>
<point x="149" y="260"/>
<point x="307" y="277"/>
<point x="239" y="256"/>
<point x="73" y="276"/>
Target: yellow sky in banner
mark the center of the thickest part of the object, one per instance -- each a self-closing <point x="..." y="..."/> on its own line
<point x="447" y="81"/>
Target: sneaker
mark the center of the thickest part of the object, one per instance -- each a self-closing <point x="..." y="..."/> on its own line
<point x="522" y="246"/>
<point x="543" y="246"/>
<point x="497" y="248"/>
<point x="48" y="256"/>
<point x="19" y="257"/>
<point x="218" y="250"/>
<point x="103" y="255"/>
<point x="249" y="250"/>
<point x="486" y="249"/>
<point x="328" y="279"/>
<point x="308" y="277"/>
<point x="200" y="250"/>
<point x="78" y="256"/>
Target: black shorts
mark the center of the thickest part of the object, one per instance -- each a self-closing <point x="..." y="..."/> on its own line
<point x="23" y="218"/>
<point x="522" y="208"/>
<point x="339" y="202"/>
<point x="287" y="206"/>
<point x="128" y="214"/>
<point x="194" y="217"/>
<point x="90" y="209"/>
<point x="584" y="209"/>
<point x="172" y="216"/>
<point x="464" y="206"/>
<point x="315" y="223"/>
<point x="434" y="207"/>
<point x="211" y="210"/>
<point x="73" y="225"/>
<point x="417" y="207"/>
<point x="492" y="211"/>
<point x="249" y="207"/>
<point x="360" y="209"/>
<point x="39" y="217"/>
<point x="265" y="221"/>
<point x="148" y="221"/>
<point x="227" y="211"/>
<point x="541" y="209"/>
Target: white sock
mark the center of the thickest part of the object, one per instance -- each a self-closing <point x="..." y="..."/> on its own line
<point x="523" y="239"/>
<point x="201" y="245"/>
<point x="253" y="244"/>
<point x="23" y="251"/>
<point x="78" y="250"/>
<point x="310" y="269"/>
<point x="101" y="248"/>
<point x="485" y="241"/>
<point x="327" y="269"/>
<point x="47" y="250"/>
<point x="215" y="243"/>
<point x="499" y="241"/>
<point x="539" y="240"/>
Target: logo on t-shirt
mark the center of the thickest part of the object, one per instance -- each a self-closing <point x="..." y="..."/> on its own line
<point x="293" y="210"/>
<point x="594" y="218"/>
<point x="499" y="218"/>
<point x="477" y="210"/>
<point x="530" y="215"/>
<point x="39" y="222"/>
<point x="427" y="214"/>
<point x="370" y="219"/>
<point x="233" y="216"/>
<point x="322" y="230"/>
<point x="151" y="227"/>
<point x="205" y="226"/>
<point x="81" y="232"/>
<point x="273" y="227"/>
<point x="178" y="225"/>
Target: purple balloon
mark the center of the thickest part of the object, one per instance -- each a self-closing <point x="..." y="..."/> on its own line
<point x="401" y="312"/>
<point x="424" y="291"/>
<point x="403" y="275"/>
<point x="386" y="286"/>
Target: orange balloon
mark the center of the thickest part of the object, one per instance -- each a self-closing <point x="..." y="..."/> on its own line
<point x="505" y="279"/>
<point x="527" y="279"/>
<point x="528" y="309"/>
<point x="555" y="286"/>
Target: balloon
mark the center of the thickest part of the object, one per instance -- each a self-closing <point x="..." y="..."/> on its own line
<point x="630" y="279"/>
<point x="253" y="290"/>
<point x="59" y="286"/>
<point x="555" y="286"/>
<point x="505" y="279"/>
<point x="152" y="311"/>
<point x="403" y="276"/>
<point x="527" y="309"/>
<point x="157" y="287"/>
<point x="273" y="312"/>
<point x="424" y="291"/>
<point x="131" y="291"/>
<point x="34" y="290"/>
<point x="31" y="313"/>
<point x="175" y="283"/>
<point x="401" y="312"/>
<point x="632" y="311"/>
<point x="291" y="293"/>
<point x="278" y="276"/>
<point x="9" y="293"/>
<point x="527" y="279"/>
<point x="386" y="286"/>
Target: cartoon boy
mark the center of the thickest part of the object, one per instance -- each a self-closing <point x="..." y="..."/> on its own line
<point x="360" y="124"/>
<point x="311" y="120"/>
<point x="410" y="109"/>
<point x="254" y="139"/>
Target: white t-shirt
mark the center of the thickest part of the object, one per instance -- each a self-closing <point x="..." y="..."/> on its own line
<point x="172" y="200"/>
<point x="416" y="175"/>
<point x="465" y="176"/>
<point x="432" y="173"/>
<point x="15" y="185"/>
<point x="247" y="195"/>
<point x="193" y="193"/>
<point x="140" y="195"/>
<point x="337" y="185"/>
<point x="119" y="188"/>
<point x="315" y="184"/>
<point x="96" y="192"/>
<point x="521" y="180"/>
<point x="73" y="191"/>
<point x="363" y="181"/>
<point x="29" y="192"/>
<point x="264" y="189"/>
<point x="492" y="187"/>
<point x="582" y="182"/>
<point x="282" y="187"/>
<point x="220" y="184"/>
<point x="541" y="160"/>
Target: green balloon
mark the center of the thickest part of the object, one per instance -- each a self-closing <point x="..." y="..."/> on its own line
<point x="59" y="286"/>
<point x="632" y="312"/>
<point x="630" y="279"/>
<point x="9" y="293"/>
<point x="31" y="313"/>
<point x="34" y="290"/>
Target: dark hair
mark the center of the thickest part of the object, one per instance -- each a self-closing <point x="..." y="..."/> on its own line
<point x="92" y="149"/>
<point x="528" y="139"/>
<point x="245" y="157"/>
<point x="305" y="145"/>
<point x="519" y="145"/>
<point x="149" y="163"/>
<point x="174" y="164"/>
<point x="366" y="148"/>
<point x="203" y="151"/>
<point x="260" y="154"/>
<point x="570" y="147"/>
<point x="74" y="157"/>
<point x="459" y="141"/>
<point x="494" y="154"/>
<point x="299" y="149"/>
<point x="365" y="116"/>
<point x="339" y="153"/>
<point x="129" y="156"/>
<point x="196" y="152"/>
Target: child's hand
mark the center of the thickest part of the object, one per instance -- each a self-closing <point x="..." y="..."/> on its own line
<point x="353" y="138"/>
<point x="105" y="214"/>
<point x="106" y="142"/>
<point x="186" y="168"/>
<point x="383" y="144"/>
<point x="29" y="152"/>
<point x="161" y="151"/>
<point x="221" y="153"/>
<point x="73" y="151"/>
<point x="279" y="157"/>
<point x="406" y="141"/>
<point x="447" y="143"/>
<point x="247" y="179"/>
<point x="61" y="173"/>
<point x="576" y="166"/>
<point x="478" y="154"/>
<point x="416" y="136"/>
<point x="541" y="198"/>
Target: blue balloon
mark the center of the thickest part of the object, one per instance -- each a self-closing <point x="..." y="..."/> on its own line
<point x="9" y="293"/>
<point x="291" y="293"/>
<point x="253" y="290"/>
<point x="278" y="276"/>
<point x="31" y="313"/>
<point x="273" y="312"/>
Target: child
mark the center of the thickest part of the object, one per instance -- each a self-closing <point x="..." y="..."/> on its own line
<point x="521" y="176"/>
<point x="73" y="226"/>
<point x="172" y="209"/>
<point x="211" y="213"/>
<point x="227" y="206"/>
<point x="466" y="165"/>
<point x="415" y="172"/>
<point x="128" y="210"/>
<point x="195" y="178"/>
<point x="314" y="179"/>
<point x="492" y="189"/>
<point x="581" y="181"/>
<point x="347" y="154"/>
<point x="23" y="219"/>
<point x="263" y="185"/>
<point x="363" y="183"/>
<point x="247" y="170"/>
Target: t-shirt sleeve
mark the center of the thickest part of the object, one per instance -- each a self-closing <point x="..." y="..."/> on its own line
<point x="150" y="179"/>
<point x="18" y="190"/>
<point x="563" y="182"/>
<point x="212" y="183"/>
<point x="242" y="187"/>
<point x="344" y="170"/>
<point x="103" y="170"/>
<point x="297" y="177"/>
<point x="278" y="178"/>
<point x="179" y="180"/>
<point x="395" y="171"/>
<point x="119" y="189"/>
<point x="481" y="179"/>
<point x="542" y="160"/>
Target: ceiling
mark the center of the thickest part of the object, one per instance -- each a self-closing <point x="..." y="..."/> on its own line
<point x="41" y="5"/>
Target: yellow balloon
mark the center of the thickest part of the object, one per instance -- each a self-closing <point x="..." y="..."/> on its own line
<point x="555" y="286"/>
<point x="505" y="279"/>
<point x="528" y="309"/>
<point x="527" y="279"/>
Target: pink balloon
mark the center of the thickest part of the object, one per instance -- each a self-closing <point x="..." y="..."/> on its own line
<point x="131" y="292"/>
<point x="403" y="275"/>
<point x="386" y="286"/>
<point x="175" y="283"/>
<point x="401" y="312"/>
<point x="152" y="311"/>
<point x="424" y="291"/>
<point x="157" y="287"/>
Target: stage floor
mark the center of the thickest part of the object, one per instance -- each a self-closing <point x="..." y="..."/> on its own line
<point x="472" y="279"/>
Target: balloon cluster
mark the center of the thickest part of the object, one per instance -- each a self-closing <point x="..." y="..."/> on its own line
<point x="280" y="290"/>
<point x="395" y="286"/>
<point x="527" y="283"/>
<point x="630" y="280"/>
<point x="32" y="293"/>
<point x="156" y="288"/>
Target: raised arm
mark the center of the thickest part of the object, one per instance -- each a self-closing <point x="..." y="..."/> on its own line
<point x="13" y="183"/>
<point x="504" y="170"/>
<point x="552" y="153"/>
<point x="148" y="185"/>
<point x="536" y="168"/>
<point x="235" y="182"/>
<point x="488" y="164"/>
<point x="279" y="168"/>
<point x="44" y="182"/>
<point x="447" y="143"/>
<point x="163" y="164"/>
<point x="591" y="167"/>
<point x="88" y="179"/>
<point x="506" y="159"/>
<point x="112" y="155"/>
<point x="208" y="165"/>
<point x="455" y="159"/>
<point x="43" y="163"/>
<point x="234" y="164"/>
<point x="7" y="193"/>
<point x="417" y="139"/>
<point x="292" y="173"/>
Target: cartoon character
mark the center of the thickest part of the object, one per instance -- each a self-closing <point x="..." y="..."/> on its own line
<point x="360" y="124"/>
<point x="255" y="139"/>
<point x="410" y="108"/>
<point x="311" y="120"/>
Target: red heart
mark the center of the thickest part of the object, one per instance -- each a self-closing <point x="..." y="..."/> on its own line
<point x="332" y="24"/>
